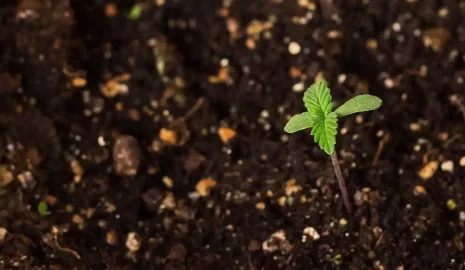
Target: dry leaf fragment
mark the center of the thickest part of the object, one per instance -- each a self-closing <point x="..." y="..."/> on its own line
<point x="428" y="170"/>
<point x="79" y="82"/>
<point x="436" y="38"/>
<point x="168" y="136"/>
<point x="205" y="185"/>
<point x="226" y="134"/>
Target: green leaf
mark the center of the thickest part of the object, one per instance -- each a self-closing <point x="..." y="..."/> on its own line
<point x="317" y="99"/>
<point x="361" y="103"/>
<point x="135" y="12"/>
<point x="42" y="208"/>
<point x="298" y="122"/>
<point x="324" y="132"/>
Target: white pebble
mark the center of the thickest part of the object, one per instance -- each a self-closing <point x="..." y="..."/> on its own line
<point x="265" y="114"/>
<point x="462" y="161"/>
<point x="341" y="78"/>
<point x="3" y="232"/>
<point x="462" y="215"/>
<point x="294" y="48"/>
<point x="447" y="166"/>
<point x="310" y="231"/>
<point x="224" y="62"/>
<point x="133" y="242"/>
<point x="388" y="83"/>
<point x="298" y="87"/>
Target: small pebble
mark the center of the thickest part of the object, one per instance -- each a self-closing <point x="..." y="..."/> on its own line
<point x="27" y="180"/>
<point x="133" y="242"/>
<point x="388" y="83"/>
<point x="428" y="170"/>
<point x="3" y="233"/>
<point x="419" y="190"/>
<point x="294" y="48"/>
<point x="204" y="186"/>
<point x="443" y="136"/>
<point x="462" y="215"/>
<point x="310" y="231"/>
<point x="169" y="202"/>
<point x="79" y="82"/>
<point x="451" y="205"/>
<point x="265" y="114"/>
<point x="167" y="181"/>
<point x="343" y="222"/>
<point x="260" y="205"/>
<point x="111" y="237"/>
<point x="126" y="155"/>
<point x="414" y="127"/>
<point x="462" y="161"/>
<point x="6" y="176"/>
<point x="226" y="134"/>
<point x="443" y="12"/>
<point x="168" y="136"/>
<point x="396" y="27"/>
<point x="111" y="10"/>
<point x="447" y="166"/>
<point x="277" y="242"/>
<point x="77" y="219"/>
<point x="298" y="87"/>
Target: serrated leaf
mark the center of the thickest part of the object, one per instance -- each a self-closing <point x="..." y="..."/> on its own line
<point x="324" y="132"/>
<point x="361" y="103"/>
<point x="298" y="122"/>
<point x="317" y="99"/>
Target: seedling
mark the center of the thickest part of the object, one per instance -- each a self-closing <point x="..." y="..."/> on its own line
<point x="42" y="208"/>
<point x="321" y="118"/>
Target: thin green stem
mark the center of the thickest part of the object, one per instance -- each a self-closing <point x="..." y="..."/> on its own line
<point x="340" y="180"/>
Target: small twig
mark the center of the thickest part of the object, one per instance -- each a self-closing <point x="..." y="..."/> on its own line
<point x="74" y="253"/>
<point x="191" y="111"/>
<point x="451" y="140"/>
<point x="384" y="140"/>
<point x="194" y="108"/>
<point x="340" y="179"/>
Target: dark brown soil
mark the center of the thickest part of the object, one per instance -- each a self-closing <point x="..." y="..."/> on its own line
<point x="157" y="140"/>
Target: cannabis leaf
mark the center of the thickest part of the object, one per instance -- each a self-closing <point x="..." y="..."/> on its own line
<point x="298" y="122"/>
<point x="358" y="104"/>
<point x="317" y="99"/>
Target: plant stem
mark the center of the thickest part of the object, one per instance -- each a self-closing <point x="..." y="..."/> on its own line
<point x="340" y="180"/>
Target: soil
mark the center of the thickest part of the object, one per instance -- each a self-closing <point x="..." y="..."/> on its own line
<point x="156" y="139"/>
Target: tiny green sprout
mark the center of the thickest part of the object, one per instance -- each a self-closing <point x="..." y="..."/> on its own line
<point x="42" y="208"/>
<point x="135" y="12"/>
<point x="322" y="120"/>
<point x="337" y="260"/>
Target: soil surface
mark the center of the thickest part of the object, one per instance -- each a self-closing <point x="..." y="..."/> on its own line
<point x="151" y="134"/>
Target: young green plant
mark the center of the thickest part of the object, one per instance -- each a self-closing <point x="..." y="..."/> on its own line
<point x="321" y="118"/>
